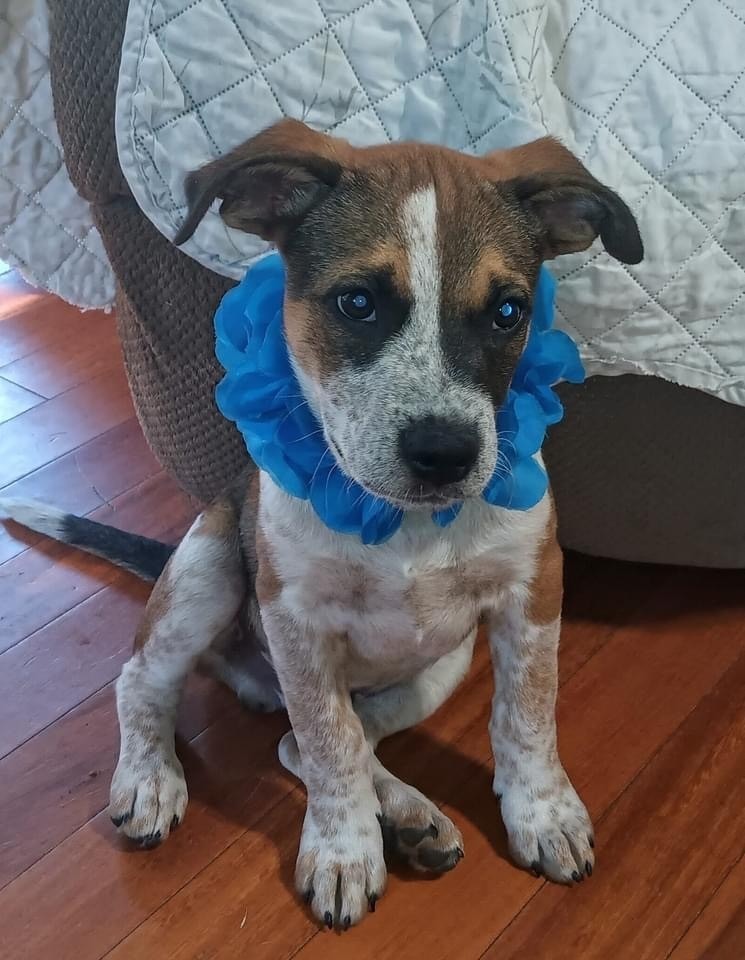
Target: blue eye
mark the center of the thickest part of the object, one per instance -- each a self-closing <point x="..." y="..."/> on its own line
<point x="357" y="305"/>
<point x="509" y="314"/>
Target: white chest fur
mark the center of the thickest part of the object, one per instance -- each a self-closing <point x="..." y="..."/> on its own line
<point x="405" y="603"/>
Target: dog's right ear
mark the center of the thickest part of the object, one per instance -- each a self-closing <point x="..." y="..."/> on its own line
<point x="268" y="184"/>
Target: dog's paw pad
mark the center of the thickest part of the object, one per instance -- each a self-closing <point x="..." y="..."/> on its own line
<point x="415" y="830"/>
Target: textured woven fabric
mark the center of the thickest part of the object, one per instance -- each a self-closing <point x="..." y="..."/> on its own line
<point x="165" y="306"/>
<point x="46" y="229"/>
<point x="86" y="41"/>
<point x="165" y="300"/>
<point x="647" y="470"/>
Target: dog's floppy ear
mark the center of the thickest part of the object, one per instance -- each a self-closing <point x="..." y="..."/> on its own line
<point x="571" y="207"/>
<point x="267" y="184"/>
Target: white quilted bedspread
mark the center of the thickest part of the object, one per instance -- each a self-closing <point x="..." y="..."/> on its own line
<point x="650" y="93"/>
<point x="46" y="229"/>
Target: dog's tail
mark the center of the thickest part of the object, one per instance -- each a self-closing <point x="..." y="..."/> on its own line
<point x="140" y="555"/>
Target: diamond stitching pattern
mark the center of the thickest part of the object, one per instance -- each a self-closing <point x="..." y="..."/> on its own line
<point x="37" y="202"/>
<point x="526" y="72"/>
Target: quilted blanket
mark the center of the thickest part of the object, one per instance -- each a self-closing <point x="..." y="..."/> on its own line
<point x="46" y="229"/>
<point x="649" y="94"/>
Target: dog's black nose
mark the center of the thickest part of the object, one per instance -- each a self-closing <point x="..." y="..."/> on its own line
<point x="439" y="451"/>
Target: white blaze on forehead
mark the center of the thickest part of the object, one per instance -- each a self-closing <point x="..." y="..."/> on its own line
<point x="419" y="222"/>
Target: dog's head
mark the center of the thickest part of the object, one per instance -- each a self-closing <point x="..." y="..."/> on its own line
<point x="410" y="277"/>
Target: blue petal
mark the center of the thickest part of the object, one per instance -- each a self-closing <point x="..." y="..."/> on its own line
<point x="261" y="395"/>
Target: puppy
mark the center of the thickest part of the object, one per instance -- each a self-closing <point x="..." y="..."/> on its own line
<point x="360" y="642"/>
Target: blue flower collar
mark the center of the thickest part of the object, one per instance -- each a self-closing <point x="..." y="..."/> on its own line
<point x="261" y="395"/>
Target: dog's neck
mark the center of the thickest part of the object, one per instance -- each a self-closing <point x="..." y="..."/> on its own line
<point x="262" y="395"/>
<point x="479" y="527"/>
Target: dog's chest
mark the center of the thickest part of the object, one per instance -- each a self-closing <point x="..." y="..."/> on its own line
<point x="401" y="605"/>
<point x="396" y="613"/>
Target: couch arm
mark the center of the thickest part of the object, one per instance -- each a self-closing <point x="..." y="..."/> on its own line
<point x="165" y="300"/>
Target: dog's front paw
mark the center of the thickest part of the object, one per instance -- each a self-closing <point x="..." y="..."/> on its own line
<point x="548" y="827"/>
<point x="148" y="797"/>
<point x="415" y="829"/>
<point x="340" y="867"/>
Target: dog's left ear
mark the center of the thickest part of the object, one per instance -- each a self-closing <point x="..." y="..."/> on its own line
<point x="268" y="184"/>
<point x="571" y="207"/>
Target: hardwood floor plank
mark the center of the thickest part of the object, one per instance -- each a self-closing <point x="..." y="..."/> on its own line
<point x="71" y="657"/>
<point x="157" y="508"/>
<point x="62" y="664"/>
<point x="68" y="362"/>
<point x="591" y="612"/>
<point x="30" y="320"/>
<point x="718" y="933"/>
<point x="59" y="779"/>
<point x="46" y="582"/>
<point x="92" y="474"/>
<point x="15" y="400"/>
<point x="98" y="889"/>
<point x="58" y="426"/>
<point x="50" y="579"/>
<point x="18" y="298"/>
<point x="668" y="843"/>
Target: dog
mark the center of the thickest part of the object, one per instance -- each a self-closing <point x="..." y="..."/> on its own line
<point x="398" y="260"/>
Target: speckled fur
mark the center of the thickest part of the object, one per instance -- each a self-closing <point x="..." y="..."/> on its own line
<point x="361" y="642"/>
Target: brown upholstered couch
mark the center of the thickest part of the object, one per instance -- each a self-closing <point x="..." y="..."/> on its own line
<point x="641" y="469"/>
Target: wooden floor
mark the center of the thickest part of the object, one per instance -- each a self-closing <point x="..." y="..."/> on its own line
<point x="651" y="721"/>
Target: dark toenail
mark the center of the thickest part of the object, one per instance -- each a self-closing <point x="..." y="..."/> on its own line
<point x="347" y="922"/>
<point x="373" y="899"/>
<point x="436" y="859"/>
<point x="577" y="876"/>
<point x="118" y="821"/>
<point x="459" y="851"/>
<point x="309" y="894"/>
<point x="149" y="841"/>
<point x="588" y="868"/>
<point x="434" y="832"/>
<point x="536" y="868"/>
<point x="175" y="822"/>
<point x="328" y="919"/>
<point x="591" y="841"/>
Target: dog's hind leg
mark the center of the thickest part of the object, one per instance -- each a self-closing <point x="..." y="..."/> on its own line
<point x="413" y="826"/>
<point x="239" y="660"/>
<point x="196" y="598"/>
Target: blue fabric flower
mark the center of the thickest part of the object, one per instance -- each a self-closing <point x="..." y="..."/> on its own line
<point x="261" y="395"/>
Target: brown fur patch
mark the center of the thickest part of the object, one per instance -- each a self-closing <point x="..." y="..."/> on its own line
<point x="268" y="583"/>
<point x="490" y="266"/>
<point x="157" y="607"/>
<point x="546" y="587"/>
<point x="302" y="324"/>
<point x="218" y="521"/>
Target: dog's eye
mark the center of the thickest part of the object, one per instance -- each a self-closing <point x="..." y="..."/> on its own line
<point x="509" y="314"/>
<point x="356" y="305"/>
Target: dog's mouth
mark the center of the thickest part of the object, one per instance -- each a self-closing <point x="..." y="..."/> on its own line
<point x="409" y="499"/>
<point x="412" y="498"/>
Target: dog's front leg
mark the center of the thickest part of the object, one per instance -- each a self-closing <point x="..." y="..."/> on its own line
<point x="341" y="848"/>
<point x="548" y="827"/>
